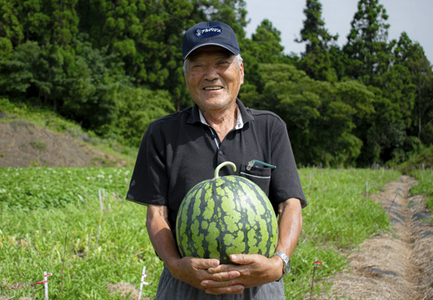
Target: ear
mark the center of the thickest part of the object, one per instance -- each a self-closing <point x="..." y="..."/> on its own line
<point x="241" y="69"/>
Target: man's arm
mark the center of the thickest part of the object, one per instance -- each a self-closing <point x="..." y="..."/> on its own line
<point x="190" y="270"/>
<point x="289" y="225"/>
<point x="257" y="270"/>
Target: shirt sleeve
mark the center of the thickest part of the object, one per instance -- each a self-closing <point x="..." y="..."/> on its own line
<point x="285" y="181"/>
<point x="149" y="181"/>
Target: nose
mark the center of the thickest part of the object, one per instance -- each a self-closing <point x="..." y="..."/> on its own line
<point x="211" y="72"/>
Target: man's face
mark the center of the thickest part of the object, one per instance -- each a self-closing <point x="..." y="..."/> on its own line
<point x="213" y="77"/>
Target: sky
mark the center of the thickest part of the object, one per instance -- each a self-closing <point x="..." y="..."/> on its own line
<point x="412" y="16"/>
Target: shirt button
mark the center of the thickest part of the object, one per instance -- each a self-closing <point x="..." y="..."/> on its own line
<point x="221" y="153"/>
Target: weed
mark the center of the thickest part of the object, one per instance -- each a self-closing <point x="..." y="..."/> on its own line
<point x="38" y="145"/>
<point x="34" y="164"/>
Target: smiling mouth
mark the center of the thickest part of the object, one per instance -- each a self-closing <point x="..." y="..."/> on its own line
<point x="214" y="88"/>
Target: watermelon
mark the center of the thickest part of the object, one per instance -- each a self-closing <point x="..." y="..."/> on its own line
<point x="226" y="215"/>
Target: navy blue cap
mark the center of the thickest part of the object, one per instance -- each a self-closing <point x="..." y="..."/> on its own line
<point x="207" y="34"/>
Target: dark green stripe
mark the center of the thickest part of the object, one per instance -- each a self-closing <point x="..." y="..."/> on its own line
<point x="228" y="227"/>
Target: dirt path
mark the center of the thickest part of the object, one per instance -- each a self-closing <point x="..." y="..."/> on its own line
<point x="396" y="264"/>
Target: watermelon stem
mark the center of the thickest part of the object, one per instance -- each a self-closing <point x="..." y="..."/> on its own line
<point x="217" y="170"/>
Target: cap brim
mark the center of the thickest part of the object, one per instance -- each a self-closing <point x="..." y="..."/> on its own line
<point x="211" y="44"/>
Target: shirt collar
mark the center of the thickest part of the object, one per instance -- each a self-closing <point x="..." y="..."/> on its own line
<point x="239" y="121"/>
<point x="243" y="113"/>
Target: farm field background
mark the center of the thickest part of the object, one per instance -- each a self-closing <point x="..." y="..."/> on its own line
<point x="51" y="220"/>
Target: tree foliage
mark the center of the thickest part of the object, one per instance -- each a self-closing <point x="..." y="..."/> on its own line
<point x="367" y="46"/>
<point x="316" y="60"/>
<point x="320" y="115"/>
<point x="411" y="55"/>
<point x="370" y="59"/>
<point x="114" y="66"/>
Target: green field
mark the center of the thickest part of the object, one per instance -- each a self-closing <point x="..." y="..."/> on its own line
<point x="424" y="186"/>
<point x="51" y="220"/>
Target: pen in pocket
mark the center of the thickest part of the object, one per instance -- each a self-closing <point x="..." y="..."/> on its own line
<point x="254" y="162"/>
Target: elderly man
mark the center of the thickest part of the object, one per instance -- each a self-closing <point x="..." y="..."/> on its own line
<point x="182" y="149"/>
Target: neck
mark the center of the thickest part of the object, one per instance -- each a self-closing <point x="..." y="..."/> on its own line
<point x="221" y="121"/>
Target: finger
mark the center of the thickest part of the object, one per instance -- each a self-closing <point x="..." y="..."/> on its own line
<point x="224" y="276"/>
<point x="234" y="289"/>
<point x="243" y="259"/>
<point x="220" y="269"/>
<point x="201" y="263"/>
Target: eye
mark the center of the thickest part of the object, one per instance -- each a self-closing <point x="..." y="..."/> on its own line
<point x="196" y="67"/>
<point x="223" y="63"/>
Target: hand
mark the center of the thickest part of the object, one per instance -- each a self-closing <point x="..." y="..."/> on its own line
<point x="194" y="270"/>
<point x="254" y="270"/>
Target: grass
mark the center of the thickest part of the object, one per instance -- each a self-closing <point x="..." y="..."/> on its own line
<point x="420" y="166"/>
<point x="423" y="157"/>
<point x="425" y="185"/>
<point x="46" y="226"/>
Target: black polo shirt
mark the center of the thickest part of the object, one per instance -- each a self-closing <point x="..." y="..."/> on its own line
<point x="178" y="151"/>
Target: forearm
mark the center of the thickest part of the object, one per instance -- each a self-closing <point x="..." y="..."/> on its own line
<point x="160" y="234"/>
<point x="289" y="224"/>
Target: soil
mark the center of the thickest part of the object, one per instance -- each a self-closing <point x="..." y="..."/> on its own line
<point x="125" y="290"/>
<point x="25" y="145"/>
<point x="394" y="265"/>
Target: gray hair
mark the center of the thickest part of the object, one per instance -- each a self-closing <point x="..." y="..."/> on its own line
<point x="239" y="59"/>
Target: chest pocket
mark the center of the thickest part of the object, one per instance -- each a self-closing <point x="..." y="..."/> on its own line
<point x="260" y="176"/>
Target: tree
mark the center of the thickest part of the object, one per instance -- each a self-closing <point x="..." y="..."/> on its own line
<point x="136" y="108"/>
<point x="263" y="48"/>
<point x="412" y="56"/>
<point x="265" y="45"/>
<point x="64" y="22"/>
<point x="11" y="27"/>
<point x="46" y="21"/>
<point x="21" y="70"/>
<point x="320" y="116"/>
<point x="316" y="60"/>
<point x="367" y="46"/>
<point x="231" y="12"/>
<point x="370" y="60"/>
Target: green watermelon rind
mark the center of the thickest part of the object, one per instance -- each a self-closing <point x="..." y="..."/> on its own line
<point x="250" y="230"/>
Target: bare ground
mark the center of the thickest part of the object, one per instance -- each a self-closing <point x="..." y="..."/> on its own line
<point x="396" y="264"/>
<point x="25" y="145"/>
